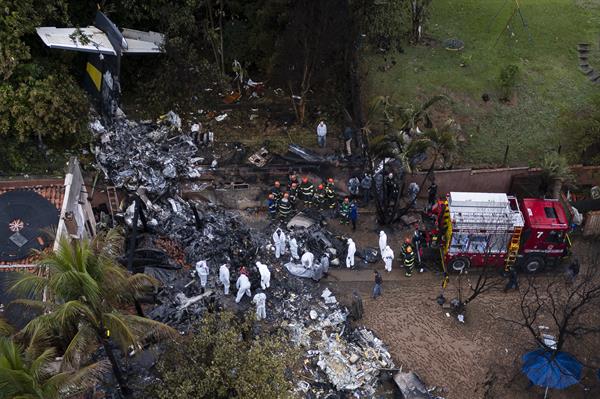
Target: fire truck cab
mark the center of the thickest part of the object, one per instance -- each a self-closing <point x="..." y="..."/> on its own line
<point x="545" y="239"/>
<point x="478" y="229"/>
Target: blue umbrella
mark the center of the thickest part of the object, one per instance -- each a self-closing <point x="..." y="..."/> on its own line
<point x="549" y="369"/>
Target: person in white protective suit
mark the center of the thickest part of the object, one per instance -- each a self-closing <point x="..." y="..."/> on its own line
<point x="325" y="263"/>
<point x="202" y="271"/>
<point x="224" y="278"/>
<point x="307" y="260"/>
<point x="382" y="242"/>
<point x="265" y="275"/>
<point x="283" y="241"/>
<point x="388" y="257"/>
<point x="294" y="248"/>
<point x="351" y="252"/>
<point x="278" y="244"/>
<point x="243" y="286"/>
<point x="260" y="300"/>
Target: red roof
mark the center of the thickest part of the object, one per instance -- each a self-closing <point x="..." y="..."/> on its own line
<point x="544" y="213"/>
<point x="51" y="189"/>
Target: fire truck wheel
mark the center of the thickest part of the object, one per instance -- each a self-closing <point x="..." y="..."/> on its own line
<point x="533" y="264"/>
<point x="459" y="264"/>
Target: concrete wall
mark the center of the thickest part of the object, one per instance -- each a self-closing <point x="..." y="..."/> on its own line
<point x="485" y="180"/>
<point x="493" y="180"/>
<point x="587" y="175"/>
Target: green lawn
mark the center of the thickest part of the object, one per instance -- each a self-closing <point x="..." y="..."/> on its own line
<point x="549" y="77"/>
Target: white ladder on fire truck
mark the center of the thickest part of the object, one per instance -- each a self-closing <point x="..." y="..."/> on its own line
<point x="513" y="249"/>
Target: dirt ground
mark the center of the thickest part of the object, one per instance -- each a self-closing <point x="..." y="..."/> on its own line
<point x="478" y="359"/>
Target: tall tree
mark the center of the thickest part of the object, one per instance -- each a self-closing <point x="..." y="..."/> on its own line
<point x="86" y="288"/>
<point x="566" y="306"/>
<point x="35" y="90"/>
<point x="400" y="141"/>
<point x="419" y="12"/>
<point x="555" y="172"/>
<point x="441" y="143"/>
<point x="313" y="48"/>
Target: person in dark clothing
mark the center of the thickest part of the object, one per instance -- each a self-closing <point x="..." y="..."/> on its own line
<point x="319" y="197"/>
<point x="513" y="282"/>
<point x="365" y="187"/>
<point x="348" y="140"/>
<point x="272" y="206"/>
<point x="377" y="289"/>
<point x="306" y="189"/>
<point x="418" y="240"/>
<point x="344" y="211"/>
<point x="357" y="306"/>
<point x="354" y="187"/>
<point x="284" y="208"/>
<point x="431" y="195"/>
<point x="293" y="179"/>
<point x="409" y="261"/>
<point x="293" y="194"/>
<point x="353" y="215"/>
<point x="573" y="270"/>
<point x="276" y="191"/>
<point x="392" y="188"/>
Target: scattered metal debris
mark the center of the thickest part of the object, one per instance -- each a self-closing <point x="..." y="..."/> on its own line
<point x="412" y="387"/>
<point x="260" y="158"/>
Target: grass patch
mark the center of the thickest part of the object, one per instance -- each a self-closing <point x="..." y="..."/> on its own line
<point x="549" y="80"/>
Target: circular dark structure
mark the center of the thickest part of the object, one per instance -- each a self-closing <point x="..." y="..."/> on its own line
<point x="454" y="44"/>
<point x="24" y="215"/>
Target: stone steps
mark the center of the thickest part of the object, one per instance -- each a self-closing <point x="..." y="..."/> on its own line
<point x="584" y="49"/>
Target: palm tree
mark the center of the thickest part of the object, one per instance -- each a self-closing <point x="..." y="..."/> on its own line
<point x="412" y="116"/>
<point x="5" y="328"/>
<point x="555" y="171"/>
<point x="26" y="375"/>
<point x="87" y="287"/>
<point x="392" y="144"/>
<point x="384" y="148"/>
<point x="440" y="142"/>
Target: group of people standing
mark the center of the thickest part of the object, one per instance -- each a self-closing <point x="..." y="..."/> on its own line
<point x="243" y="284"/>
<point x="411" y="254"/>
<point x="319" y="267"/>
<point x="282" y="200"/>
<point x="412" y="250"/>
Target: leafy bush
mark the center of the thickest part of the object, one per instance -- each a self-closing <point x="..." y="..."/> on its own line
<point x="224" y="359"/>
<point x="508" y="79"/>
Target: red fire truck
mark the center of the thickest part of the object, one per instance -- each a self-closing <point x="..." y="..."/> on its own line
<point x="477" y="229"/>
